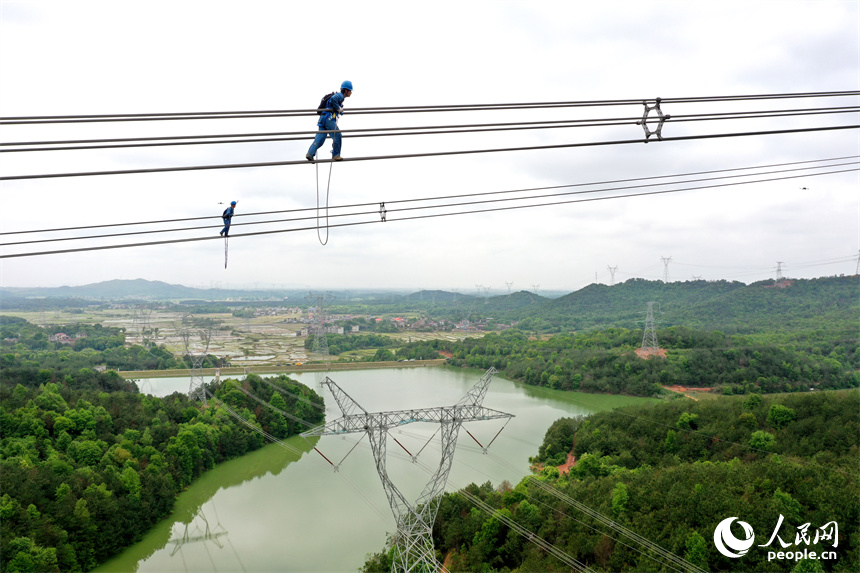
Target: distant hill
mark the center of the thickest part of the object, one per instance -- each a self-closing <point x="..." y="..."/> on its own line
<point x="731" y="307"/>
<point x="137" y="289"/>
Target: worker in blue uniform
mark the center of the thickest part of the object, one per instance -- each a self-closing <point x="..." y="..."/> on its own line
<point x="328" y="123"/>
<point x="227" y="216"/>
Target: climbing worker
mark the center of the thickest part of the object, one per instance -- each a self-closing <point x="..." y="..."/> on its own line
<point x="227" y="215"/>
<point x="328" y="122"/>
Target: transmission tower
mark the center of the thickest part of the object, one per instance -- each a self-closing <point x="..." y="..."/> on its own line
<point x="535" y="288"/>
<point x="414" y="550"/>
<point x="140" y="321"/>
<point x="320" y="346"/>
<point x="649" y="339"/>
<point x="779" y="271"/>
<point x="507" y="284"/>
<point x="486" y="294"/>
<point x="195" y="388"/>
<point x="666" y="261"/>
<point x="612" y="274"/>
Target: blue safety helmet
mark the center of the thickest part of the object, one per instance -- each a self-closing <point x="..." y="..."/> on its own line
<point x="347" y="85"/>
<point x="232" y="203"/>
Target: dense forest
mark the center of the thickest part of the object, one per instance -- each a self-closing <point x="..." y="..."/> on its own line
<point x="86" y="469"/>
<point x="671" y="473"/>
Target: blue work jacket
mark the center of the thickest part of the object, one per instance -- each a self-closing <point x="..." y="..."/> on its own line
<point x="334" y="108"/>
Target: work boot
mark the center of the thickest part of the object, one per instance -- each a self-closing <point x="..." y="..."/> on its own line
<point x="337" y="158"/>
<point x="309" y="157"/>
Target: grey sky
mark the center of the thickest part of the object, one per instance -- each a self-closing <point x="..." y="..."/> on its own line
<point x="72" y="57"/>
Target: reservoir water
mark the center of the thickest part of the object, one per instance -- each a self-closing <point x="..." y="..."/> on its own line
<point x="276" y="510"/>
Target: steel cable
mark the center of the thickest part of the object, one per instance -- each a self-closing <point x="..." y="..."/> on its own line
<point x="388" y="209"/>
<point x="415" y="217"/>
<point x="544" y="188"/>
<point x="426" y="154"/>
<point x="10" y="120"/>
<point x="122" y="143"/>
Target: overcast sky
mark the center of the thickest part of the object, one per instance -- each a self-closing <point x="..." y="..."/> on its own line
<point x="74" y="58"/>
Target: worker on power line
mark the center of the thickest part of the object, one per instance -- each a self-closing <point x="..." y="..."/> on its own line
<point x="227" y="215"/>
<point x="331" y="107"/>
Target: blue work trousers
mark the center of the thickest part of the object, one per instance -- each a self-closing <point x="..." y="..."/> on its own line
<point x="330" y="124"/>
<point x="226" y="230"/>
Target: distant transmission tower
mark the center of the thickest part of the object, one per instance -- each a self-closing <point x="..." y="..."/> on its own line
<point x="413" y="543"/>
<point x="195" y="388"/>
<point x="612" y="274"/>
<point x="535" y="288"/>
<point x="666" y="261"/>
<point x="507" y="284"/>
<point x="486" y="294"/>
<point x="320" y="346"/>
<point x="779" y="271"/>
<point x="649" y="339"/>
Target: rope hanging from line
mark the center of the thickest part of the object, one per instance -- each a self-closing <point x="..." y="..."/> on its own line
<point x="225" y="252"/>
<point x="327" y="189"/>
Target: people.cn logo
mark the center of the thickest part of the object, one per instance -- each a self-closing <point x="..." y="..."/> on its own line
<point x="727" y="543"/>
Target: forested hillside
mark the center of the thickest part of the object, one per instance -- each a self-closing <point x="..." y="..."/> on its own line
<point x="671" y="473"/>
<point x="85" y="471"/>
<point x="606" y="361"/>
<point x="730" y="307"/>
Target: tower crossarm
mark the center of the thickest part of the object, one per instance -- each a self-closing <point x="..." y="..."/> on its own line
<point x="476" y="394"/>
<point x="353" y="423"/>
<point x="344" y="401"/>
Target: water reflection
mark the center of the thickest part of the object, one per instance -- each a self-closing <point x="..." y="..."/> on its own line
<point x="189" y="519"/>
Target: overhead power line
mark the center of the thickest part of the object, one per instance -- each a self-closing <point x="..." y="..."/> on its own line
<point x="427" y="154"/>
<point x="432" y="206"/>
<point x="177" y="140"/>
<point x="427" y="216"/>
<point x="12" y="120"/>
<point x="545" y="188"/>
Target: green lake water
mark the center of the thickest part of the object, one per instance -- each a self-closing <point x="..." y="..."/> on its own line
<point x="275" y="510"/>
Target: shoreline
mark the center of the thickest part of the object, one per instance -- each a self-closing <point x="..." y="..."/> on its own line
<point x="275" y="368"/>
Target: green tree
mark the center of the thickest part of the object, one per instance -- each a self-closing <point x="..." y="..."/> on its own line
<point x="762" y="440"/>
<point x="280" y="428"/>
<point x="697" y="550"/>
<point x="619" y="499"/>
<point x="383" y="355"/>
<point x="780" y="416"/>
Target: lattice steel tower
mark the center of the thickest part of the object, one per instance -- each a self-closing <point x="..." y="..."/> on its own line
<point x="413" y="544"/>
<point x="649" y="339"/>
<point x="195" y="388"/>
<point x="666" y="261"/>
<point x="318" y="329"/>
<point x="612" y="274"/>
